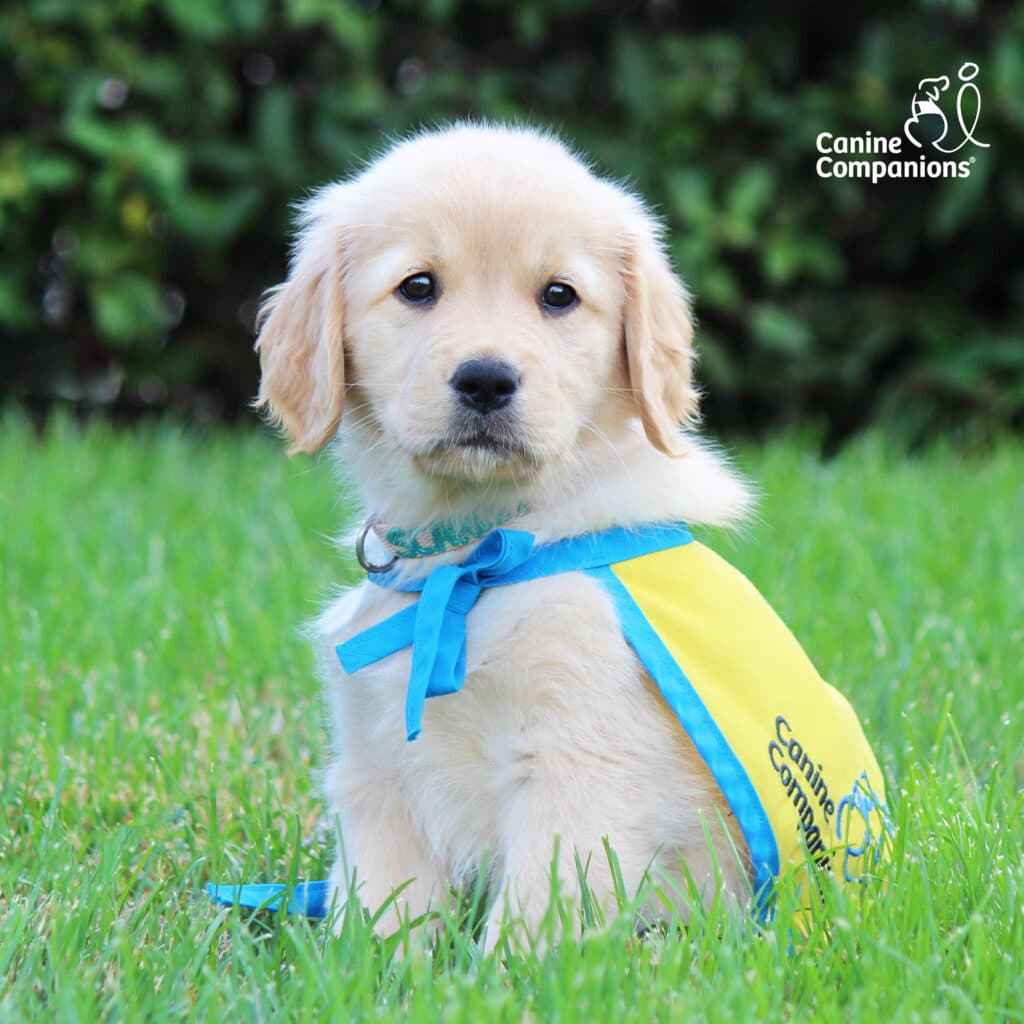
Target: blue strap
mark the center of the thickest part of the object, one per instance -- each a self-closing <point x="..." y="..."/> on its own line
<point x="435" y="626"/>
<point x="309" y="898"/>
<point x="700" y="725"/>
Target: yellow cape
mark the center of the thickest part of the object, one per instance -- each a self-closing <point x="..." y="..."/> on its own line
<point x="786" y="749"/>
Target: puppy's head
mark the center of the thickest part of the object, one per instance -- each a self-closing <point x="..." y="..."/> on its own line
<point x="484" y="305"/>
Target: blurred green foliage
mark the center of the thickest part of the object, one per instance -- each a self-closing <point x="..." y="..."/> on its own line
<point x="151" y="152"/>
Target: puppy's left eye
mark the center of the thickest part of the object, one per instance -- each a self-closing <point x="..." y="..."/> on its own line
<point x="418" y="287"/>
<point x="558" y="296"/>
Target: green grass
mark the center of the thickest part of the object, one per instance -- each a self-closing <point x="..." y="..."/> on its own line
<point x="161" y="727"/>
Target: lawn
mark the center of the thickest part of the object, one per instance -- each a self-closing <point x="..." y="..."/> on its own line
<point x="162" y="727"/>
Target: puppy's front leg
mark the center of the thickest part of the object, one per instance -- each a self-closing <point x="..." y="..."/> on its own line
<point x="525" y="890"/>
<point x="379" y="853"/>
<point x="550" y="820"/>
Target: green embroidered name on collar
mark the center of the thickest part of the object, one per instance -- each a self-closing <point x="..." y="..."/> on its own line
<point x="446" y="535"/>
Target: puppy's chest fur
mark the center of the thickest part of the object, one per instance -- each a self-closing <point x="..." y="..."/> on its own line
<point x="555" y="709"/>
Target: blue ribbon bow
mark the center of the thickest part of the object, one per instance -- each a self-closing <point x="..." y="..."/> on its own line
<point x="436" y="625"/>
<point x="439" y="622"/>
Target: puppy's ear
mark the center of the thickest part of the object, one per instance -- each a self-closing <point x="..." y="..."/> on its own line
<point x="659" y="340"/>
<point x="301" y="327"/>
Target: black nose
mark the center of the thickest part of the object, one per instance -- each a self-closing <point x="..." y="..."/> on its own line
<point x="485" y="384"/>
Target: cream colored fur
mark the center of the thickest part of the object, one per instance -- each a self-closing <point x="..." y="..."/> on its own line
<point x="558" y="732"/>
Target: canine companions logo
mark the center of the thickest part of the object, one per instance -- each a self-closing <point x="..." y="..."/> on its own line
<point x="928" y="129"/>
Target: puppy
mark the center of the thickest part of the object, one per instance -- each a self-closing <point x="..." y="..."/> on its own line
<point x="489" y="335"/>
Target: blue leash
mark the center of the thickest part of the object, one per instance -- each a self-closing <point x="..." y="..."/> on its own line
<point x="309" y="898"/>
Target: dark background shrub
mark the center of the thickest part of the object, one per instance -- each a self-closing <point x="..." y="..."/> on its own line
<point x="152" y="149"/>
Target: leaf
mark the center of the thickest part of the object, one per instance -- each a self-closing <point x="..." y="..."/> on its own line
<point x="52" y="173"/>
<point x="357" y="30"/>
<point x="275" y="131"/>
<point x="750" y="194"/>
<point x="214" y="219"/>
<point x="17" y="312"/>
<point x="250" y="16"/>
<point x="128" y="309"/>
<point x="208" y="20"/>
<point x="780" y="330"/>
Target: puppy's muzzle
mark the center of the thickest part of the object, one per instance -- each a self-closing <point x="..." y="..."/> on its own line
<point x="485" y="385"/>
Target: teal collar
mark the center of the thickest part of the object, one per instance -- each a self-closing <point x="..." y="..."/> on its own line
<point x="437" y="538"/>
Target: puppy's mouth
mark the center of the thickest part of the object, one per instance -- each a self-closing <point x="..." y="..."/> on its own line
<point x="477" y="448"/>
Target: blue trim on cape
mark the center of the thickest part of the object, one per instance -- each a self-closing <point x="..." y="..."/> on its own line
<point x="701" y="727"/>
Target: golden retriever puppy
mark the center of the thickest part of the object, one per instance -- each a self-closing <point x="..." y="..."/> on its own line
<point x="488" y="334"/>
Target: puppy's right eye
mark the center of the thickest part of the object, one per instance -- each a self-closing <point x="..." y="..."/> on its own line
<point x="418" y="288"/>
